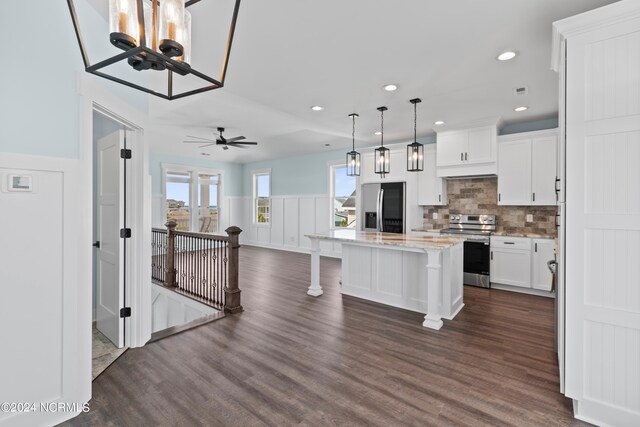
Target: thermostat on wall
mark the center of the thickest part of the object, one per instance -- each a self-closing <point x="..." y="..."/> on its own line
<point x="20" y="183"/>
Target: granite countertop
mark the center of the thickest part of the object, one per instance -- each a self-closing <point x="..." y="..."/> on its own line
<point x="412" y="241"/>
<point x="530" y="235"/>
<point x="495" y="233"/>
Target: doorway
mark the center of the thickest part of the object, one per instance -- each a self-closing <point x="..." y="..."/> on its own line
<point x="110" y="171"/>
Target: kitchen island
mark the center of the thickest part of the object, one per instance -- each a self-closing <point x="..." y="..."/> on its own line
<point x="414" y="272"/>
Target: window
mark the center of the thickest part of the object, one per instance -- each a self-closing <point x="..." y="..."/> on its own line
<point x="178" y="200"/>
<point x="343" y="197"/>
<point x="192" y="198"/>
<point x="262" y="197"/>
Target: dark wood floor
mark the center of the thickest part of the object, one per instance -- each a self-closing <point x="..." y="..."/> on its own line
<point x="291" y="359"/>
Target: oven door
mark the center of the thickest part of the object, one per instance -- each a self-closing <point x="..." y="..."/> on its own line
<point x="476" y="263"/>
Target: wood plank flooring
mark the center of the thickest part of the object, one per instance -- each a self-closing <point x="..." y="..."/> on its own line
<point x="292" y="359"/>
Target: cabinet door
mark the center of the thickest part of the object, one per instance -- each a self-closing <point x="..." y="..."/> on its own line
<point x="480" y="145"/>
<point x="366" y="168"/>
<point x="431" y="189"/>
<point x="543" y="251"/>
<point x="514" y="172"/>
<point x="451" y="148"/>
<point x="543" y="175"/>
<point x="511" y="267"/>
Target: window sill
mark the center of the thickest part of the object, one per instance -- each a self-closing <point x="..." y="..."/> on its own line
<point x="262" y="224"/>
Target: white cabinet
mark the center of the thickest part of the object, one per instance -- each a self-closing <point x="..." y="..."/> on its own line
<point x="467" y="152"/>
<point x="527" y="169"/>
<point x="432" y="190"/>
<point x="511" y="261"/>
<point x="544" y="170"/>
<point x="514" y="172"/>
<point x="543" y="251"/>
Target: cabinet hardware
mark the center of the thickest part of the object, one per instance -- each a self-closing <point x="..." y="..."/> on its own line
<point x="536" y="247"/>
<point x="556" y="220"/>
<point x="461" y="156"/>
<point x="557" y="188"/>
<point x="96" y="245"/>
<point x="491" y="255"/>
<point x="466" y="156"/>
<point x="439" y="197"/>
<point x="534" y="197"/>
<point x="499" y="195"/>
<point x="509" y="243"/>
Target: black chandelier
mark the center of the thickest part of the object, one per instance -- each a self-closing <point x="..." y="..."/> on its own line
<point x="382" y="154"/>
<point x="415" y="150"/>
<point x="153" y="35"/>
<point x="353" y="157"/>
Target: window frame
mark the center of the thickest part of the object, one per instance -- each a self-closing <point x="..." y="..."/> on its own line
<point x="332" y="165"/>
<point x="194" y="182"/>
<point x="254" y="199"/>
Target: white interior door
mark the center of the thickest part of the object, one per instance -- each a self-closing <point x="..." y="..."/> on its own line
<point x="603" y="223"/>
<point x="110" y="256"/>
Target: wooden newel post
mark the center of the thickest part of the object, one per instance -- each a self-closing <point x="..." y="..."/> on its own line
<point x="171" y="273"/>
<point x="232" y="290"/>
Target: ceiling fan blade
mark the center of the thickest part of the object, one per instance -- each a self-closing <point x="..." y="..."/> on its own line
<point x="207" y="145"/>
<point x="243" y="143"/>
<point x="199" y="137"/>
<point x="236" y="146"/>
<point x="198" y="142"/>
<point x="237" y="138"/>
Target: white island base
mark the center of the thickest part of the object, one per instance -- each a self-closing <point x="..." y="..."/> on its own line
<point x="417" y="273"/>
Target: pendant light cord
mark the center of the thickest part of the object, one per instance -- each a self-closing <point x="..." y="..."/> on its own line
<point x="382" y="128"/>
<point x="415" y="122"/>
<point x="353" y="134"/>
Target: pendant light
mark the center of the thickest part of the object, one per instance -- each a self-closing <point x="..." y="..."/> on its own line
<point x="415" y="150"/>
<point x="155" y="35"/>
<point x="382" y="154"/>
<point x="353" y="157"/>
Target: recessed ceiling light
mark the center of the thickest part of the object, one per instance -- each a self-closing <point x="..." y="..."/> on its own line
<point x="507" y="55"/>
<point x="377" y="133"/>
<point x="390" y="88"/>
<point x="317" y="108"/>
<point x="438" y="123"/>
<point x="327" y="145"/>
<point x="519" y="109"/>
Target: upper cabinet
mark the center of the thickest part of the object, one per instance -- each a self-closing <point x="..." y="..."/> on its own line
<point x="432" y="190"/>
<point x="467" y="152"/>
<point x="527" y="169"/>
<point x="397" y="167"/>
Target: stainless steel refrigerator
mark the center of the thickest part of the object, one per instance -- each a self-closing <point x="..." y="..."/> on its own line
<point x="383" y="207"/>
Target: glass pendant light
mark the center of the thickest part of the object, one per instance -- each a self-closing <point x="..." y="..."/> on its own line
<point x="382" y="154"/>
<point x="185" y="38"/>
<point x="415" y="150"/>
<point x="123" y="23"/>
<point x="171" y="24"/>
<point x="353" y="157"/>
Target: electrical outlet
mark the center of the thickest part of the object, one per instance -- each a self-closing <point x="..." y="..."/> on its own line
<point x="529" y="218"/>
<point x="435" y="215"/>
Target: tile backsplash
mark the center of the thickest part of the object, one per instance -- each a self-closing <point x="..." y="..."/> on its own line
<point x="480" y="196"/>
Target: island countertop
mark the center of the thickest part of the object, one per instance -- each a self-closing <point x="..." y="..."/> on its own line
<point x="413" y="241"/>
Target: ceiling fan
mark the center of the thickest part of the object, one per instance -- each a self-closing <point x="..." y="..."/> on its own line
<point x="221" y="140"/>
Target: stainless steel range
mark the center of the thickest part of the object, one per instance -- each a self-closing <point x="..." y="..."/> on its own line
<point x="477" y="229"/>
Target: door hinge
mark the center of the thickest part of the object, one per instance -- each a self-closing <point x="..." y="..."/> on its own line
<point x="125" y="312"/>
<point x="125" y="233"/>
<point x="125" y="153"/>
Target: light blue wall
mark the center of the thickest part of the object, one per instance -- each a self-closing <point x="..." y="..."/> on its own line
<point x="295" y="176"/>
<point x="232" y="180"/>
<point x="38" y="77"/>
<point x="530" y="126"/>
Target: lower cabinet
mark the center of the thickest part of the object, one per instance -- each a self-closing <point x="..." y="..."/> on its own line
<point x="511" y="261"/>
<point x="543" y="252"/>
<point x="521" y="262"/>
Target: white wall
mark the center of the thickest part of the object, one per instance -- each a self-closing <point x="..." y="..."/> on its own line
<point x="292" y="217"/>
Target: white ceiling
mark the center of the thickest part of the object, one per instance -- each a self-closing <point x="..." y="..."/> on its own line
<point x="290" y="55"/>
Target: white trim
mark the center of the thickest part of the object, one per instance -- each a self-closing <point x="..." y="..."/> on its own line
<point x="526" y="135"/>
<point x="254" y="213"/>
<point x="94" y="97"/>
<point x="612" y="14"/>
<point x="331" y="165"/>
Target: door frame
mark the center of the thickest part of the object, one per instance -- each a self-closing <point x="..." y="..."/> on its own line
<point x="94" y="97"/>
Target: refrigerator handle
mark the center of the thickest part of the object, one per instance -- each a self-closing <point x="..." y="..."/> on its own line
<point x="380" y="202"/>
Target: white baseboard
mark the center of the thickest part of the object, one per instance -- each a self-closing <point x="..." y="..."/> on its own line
<point x="528" y="291"/>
